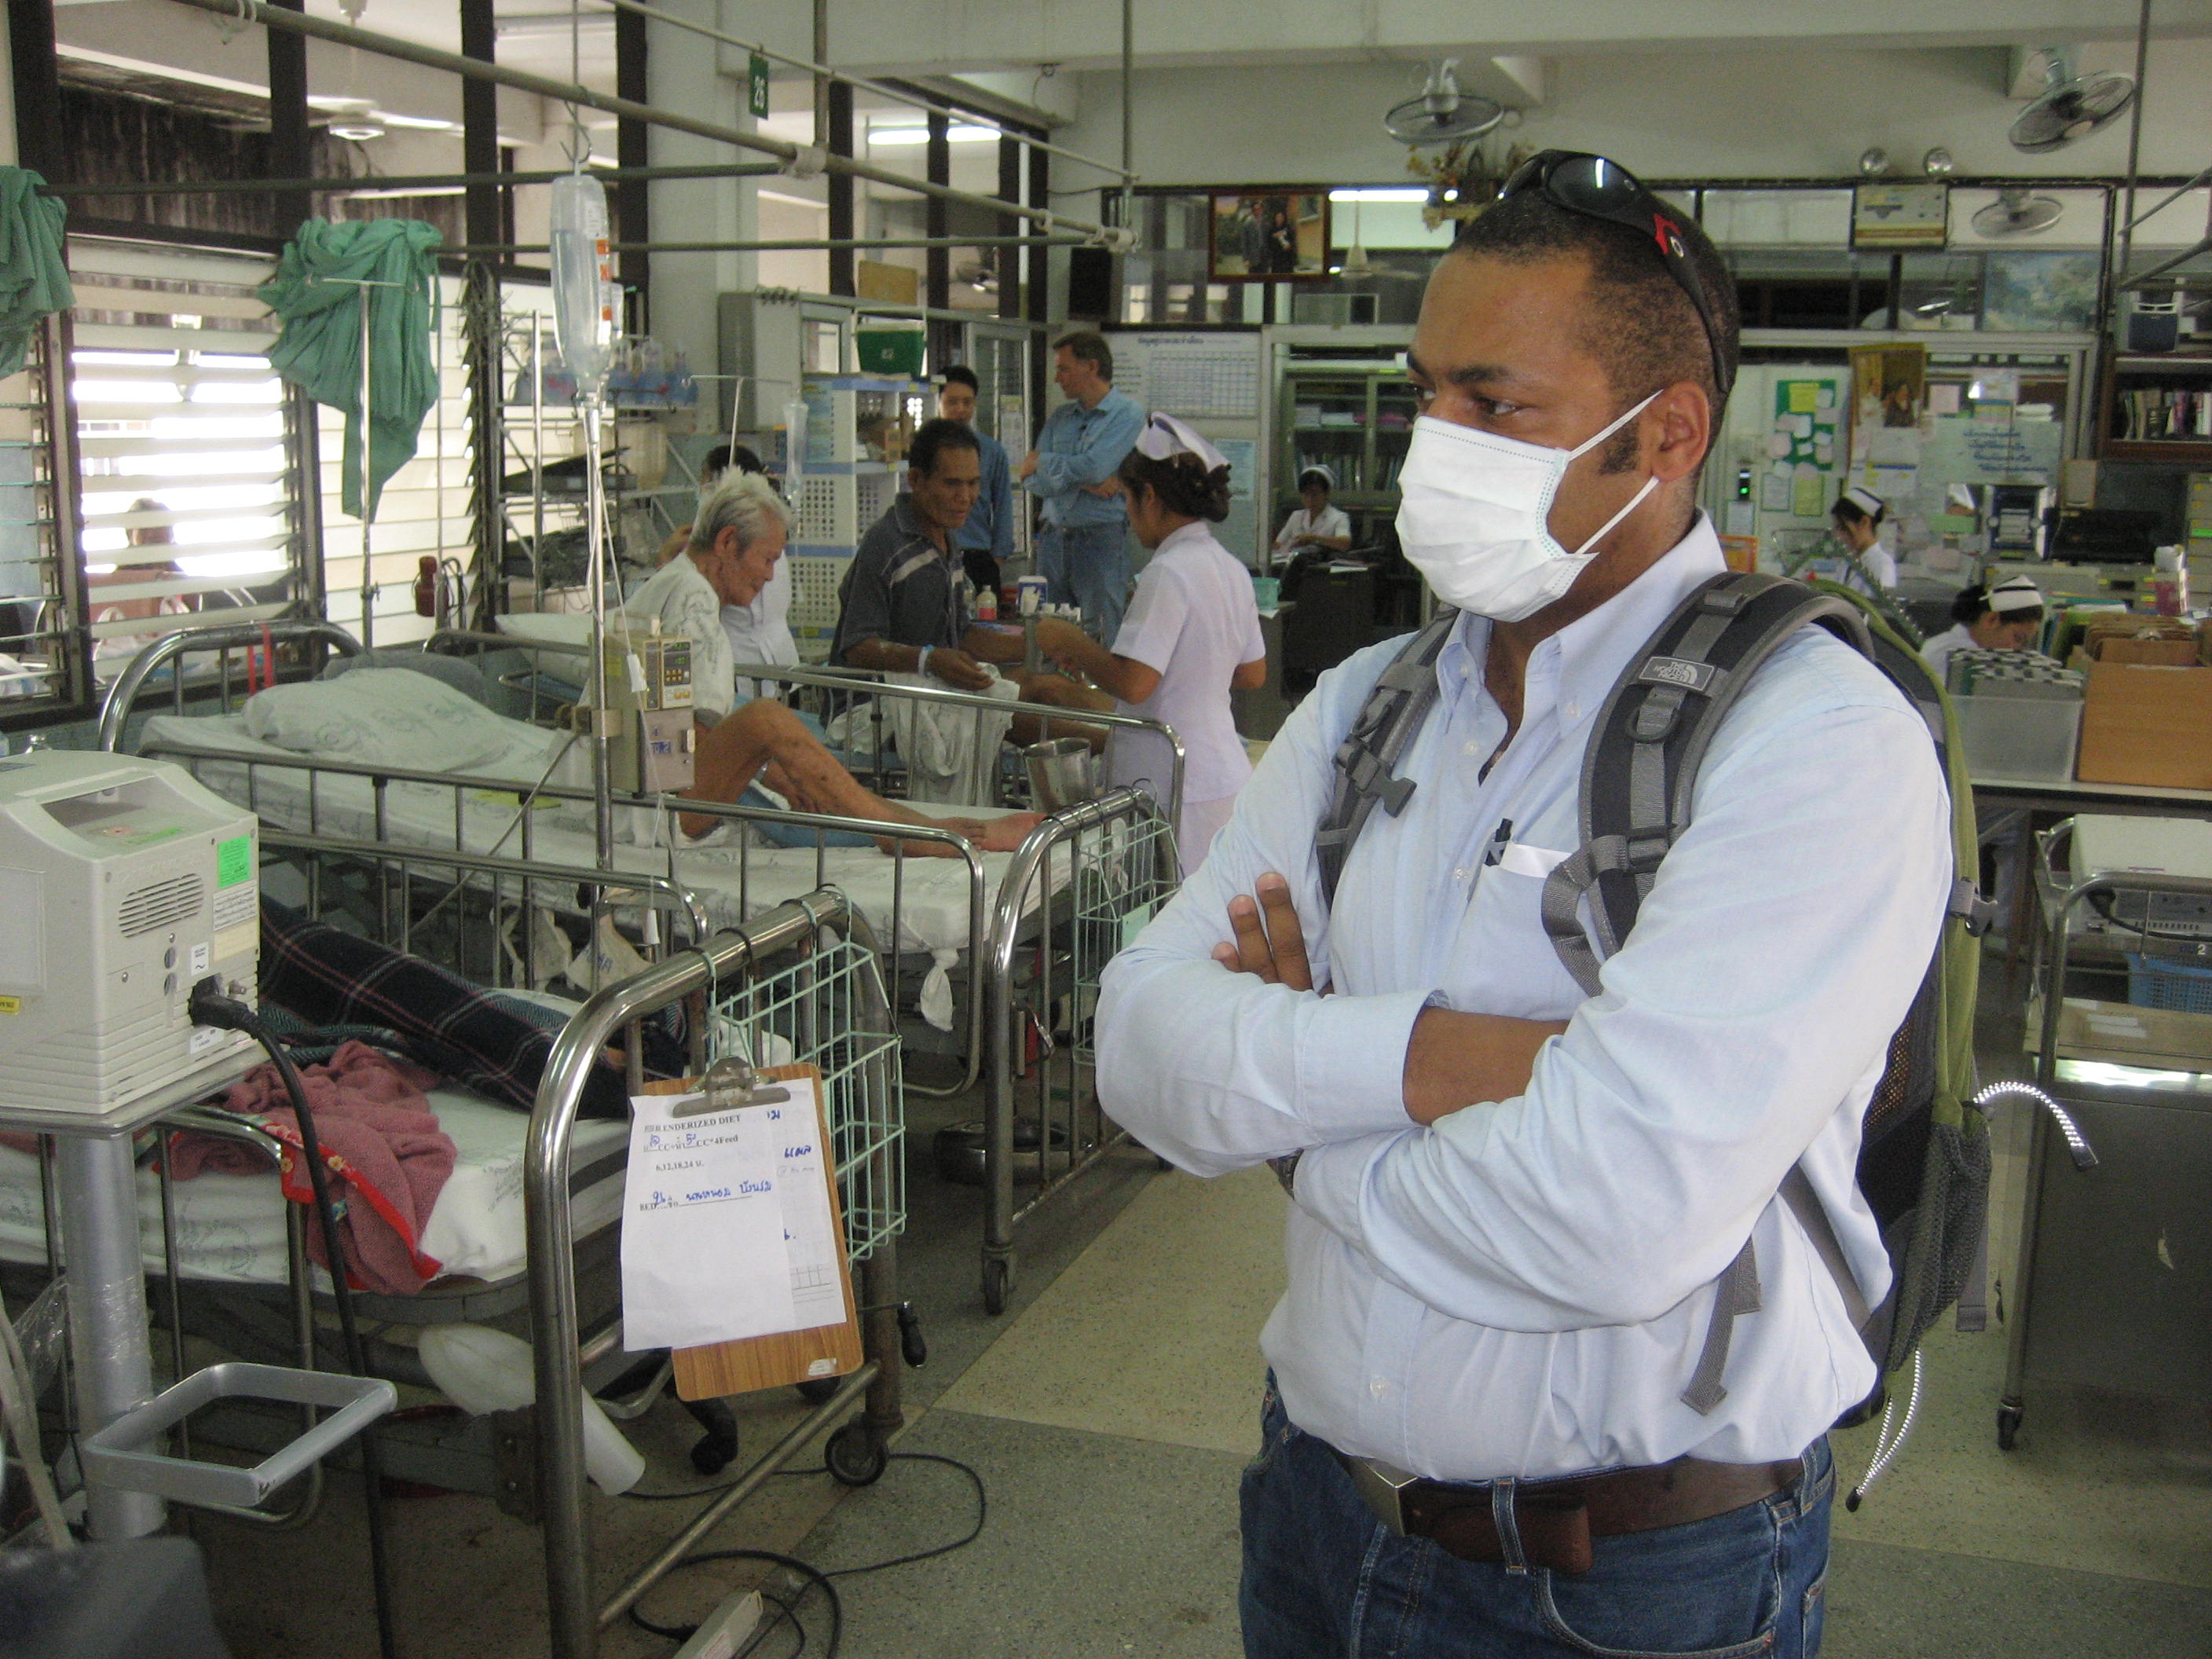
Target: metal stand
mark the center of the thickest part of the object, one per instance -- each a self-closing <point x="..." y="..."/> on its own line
<point x="114" y="1368"/>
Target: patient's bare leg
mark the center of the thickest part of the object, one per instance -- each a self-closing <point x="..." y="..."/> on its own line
<point x="765" y="733"/>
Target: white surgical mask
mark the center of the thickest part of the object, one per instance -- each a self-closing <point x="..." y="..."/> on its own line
<point x="1474" y="516"/>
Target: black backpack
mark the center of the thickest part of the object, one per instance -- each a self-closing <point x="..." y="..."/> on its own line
<point x="1924" y="1158"/>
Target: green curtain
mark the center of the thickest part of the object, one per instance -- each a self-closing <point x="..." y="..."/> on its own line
<point x="317" y="292"/>
<point x="33" y="273"/>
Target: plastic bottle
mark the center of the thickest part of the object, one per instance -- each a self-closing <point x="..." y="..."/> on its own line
<point x="682" y="389"/>
<point x="583" y="288"/>
<point x="481" y="1369"/>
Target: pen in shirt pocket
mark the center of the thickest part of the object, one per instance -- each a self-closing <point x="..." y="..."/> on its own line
<point x="1498" y="843"/>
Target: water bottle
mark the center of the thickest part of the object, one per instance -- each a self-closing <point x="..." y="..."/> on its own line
<point x="481" y="1369"/>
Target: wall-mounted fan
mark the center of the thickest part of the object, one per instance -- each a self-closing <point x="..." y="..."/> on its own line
<point x="1443" y="114"/>
<point x="2019" y="211"/>
<point x="2071" y="105"/>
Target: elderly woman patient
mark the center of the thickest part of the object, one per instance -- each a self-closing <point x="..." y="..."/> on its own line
<point x="735" y="542"/>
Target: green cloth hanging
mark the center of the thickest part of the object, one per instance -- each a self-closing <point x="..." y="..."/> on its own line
<point x="34" y="273"/>
<point x="315" y="291"/>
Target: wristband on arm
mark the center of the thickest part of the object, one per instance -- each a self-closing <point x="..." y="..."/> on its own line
<point x="922" y="662"/>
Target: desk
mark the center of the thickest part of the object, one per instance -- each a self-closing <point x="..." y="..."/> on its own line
<point x="2067" y="796"/>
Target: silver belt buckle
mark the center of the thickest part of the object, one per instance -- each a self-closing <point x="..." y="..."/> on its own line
<point x="1383" y="1488"/>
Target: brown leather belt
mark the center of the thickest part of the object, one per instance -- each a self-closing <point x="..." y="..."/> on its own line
<point x="1557" y="1519"/>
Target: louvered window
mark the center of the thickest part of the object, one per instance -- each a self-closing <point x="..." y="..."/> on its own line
<point x="191" y="510"/>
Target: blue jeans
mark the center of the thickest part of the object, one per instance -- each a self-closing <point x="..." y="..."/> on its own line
<point x="1323" y="1579"/>
<point x="1088" y="566"/>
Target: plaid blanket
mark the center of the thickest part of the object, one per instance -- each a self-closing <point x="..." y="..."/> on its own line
<point x="327" y="978"/>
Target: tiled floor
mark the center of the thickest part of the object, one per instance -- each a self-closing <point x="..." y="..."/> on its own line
<point x="1109" y="1412"/>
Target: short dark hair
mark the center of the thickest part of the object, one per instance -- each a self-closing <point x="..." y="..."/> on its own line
<point x="722" y="457"/>
<point x="1181" y="482"/>
<point x="933" y="437"/>
<point x="1847" y="511"/>
<point x="1314" y="475"/>
<point x="961" y="374"/>
<point x="1088" y="345"/>
<point x="1639" y="324"/>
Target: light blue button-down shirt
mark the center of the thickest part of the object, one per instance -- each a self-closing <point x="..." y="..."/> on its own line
<point x="1079" y="448"/>
<point x="1523" y="1288"/>
<point x="991" y="521"/>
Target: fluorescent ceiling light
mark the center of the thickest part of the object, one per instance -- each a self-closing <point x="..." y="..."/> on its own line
<point x="789" y="200"/>
<point x="163" y="71"/>
<point x="1386" y="193"/>
<point x="400" y="195"/>
<point x="424" y="122"/>
<point x="551" y="25"/>
<point x="903" y="135"/>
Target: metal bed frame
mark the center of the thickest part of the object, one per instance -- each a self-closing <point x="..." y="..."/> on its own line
<point x="1017" y="973"/>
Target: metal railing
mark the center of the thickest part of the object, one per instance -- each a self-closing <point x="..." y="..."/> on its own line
<point x="1120" y="864"/>
<point x="796" y="926"/>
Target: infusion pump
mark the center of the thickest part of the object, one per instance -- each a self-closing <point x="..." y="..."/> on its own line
<point x="123" y="883"/>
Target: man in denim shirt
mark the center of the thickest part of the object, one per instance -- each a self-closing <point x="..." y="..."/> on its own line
<point x="1084" y="550"/>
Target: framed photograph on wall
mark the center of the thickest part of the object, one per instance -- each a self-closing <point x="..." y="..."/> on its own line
<point x="1268" y="233"/>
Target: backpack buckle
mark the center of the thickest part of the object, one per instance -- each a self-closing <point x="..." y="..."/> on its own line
<point x="1643" y="851"/>
<point x="1970" y="909"/>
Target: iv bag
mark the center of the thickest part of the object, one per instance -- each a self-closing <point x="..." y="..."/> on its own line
<point x="583" y="291"/>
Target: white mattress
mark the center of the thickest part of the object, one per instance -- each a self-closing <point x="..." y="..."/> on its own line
<point x="932" y="900"/>
<point x="230" y="1228"/>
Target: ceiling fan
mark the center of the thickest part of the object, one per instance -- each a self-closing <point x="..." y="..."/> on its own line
<point x="2019" y="211"/>
<point x="2071" y="105"/>
<point x="1443" y="114"/>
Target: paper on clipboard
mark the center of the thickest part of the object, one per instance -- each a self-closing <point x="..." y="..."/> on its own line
<point x="810" y="1233"/>
<point x="703" y="1255"/>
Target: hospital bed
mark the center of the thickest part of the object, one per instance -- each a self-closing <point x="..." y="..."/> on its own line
<point x="526" y="1225"/>
<point x="1031" y="928"/>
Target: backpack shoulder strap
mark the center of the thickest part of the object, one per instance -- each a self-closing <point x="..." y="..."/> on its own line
<point x="1387" y="724"/>
<point x="1640" y="770"/>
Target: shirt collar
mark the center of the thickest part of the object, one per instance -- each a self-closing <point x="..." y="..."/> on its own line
<point x="914" y="530"/>
<point x="1184" y="535"/>
<point x="1587" y="656"/>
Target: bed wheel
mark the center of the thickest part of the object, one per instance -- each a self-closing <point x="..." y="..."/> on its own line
<point x="2008" y="1418"/>
<point x="997" y="1280"/>
<point x="717" y="1448"/>
<point x="855" y="1456"/>
<point x="816" y="1389"/>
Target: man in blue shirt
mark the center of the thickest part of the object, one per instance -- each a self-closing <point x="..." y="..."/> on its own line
<point x="987" y="540"/>
<point x="1084" y="550"/>
<point x="1512" y="1204"/>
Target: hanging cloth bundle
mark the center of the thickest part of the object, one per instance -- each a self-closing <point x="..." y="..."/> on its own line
<point x="34" y="273"/>
<point x="329" y="271"/>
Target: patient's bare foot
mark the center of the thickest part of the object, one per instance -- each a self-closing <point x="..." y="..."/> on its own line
<point x="1001" y="834"/>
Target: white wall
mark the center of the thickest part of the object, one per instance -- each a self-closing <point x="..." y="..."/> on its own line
<point x="1767" y="112"/>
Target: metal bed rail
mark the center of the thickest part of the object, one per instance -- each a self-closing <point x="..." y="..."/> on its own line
<point x="462" y="785"/>
<point x="121" y="700"/>
<point x="817" y="928"/>
<point x="1119" y="858"/>
<point x="848" y="687"/>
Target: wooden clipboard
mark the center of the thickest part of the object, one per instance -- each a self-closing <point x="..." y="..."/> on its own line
<point x="786" y="1357"/>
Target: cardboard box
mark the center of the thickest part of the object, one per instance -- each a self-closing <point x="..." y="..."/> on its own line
<point x="2147" y="724"/>
<point x="2118" y="1033"/>
<point x="2163" y="653"/>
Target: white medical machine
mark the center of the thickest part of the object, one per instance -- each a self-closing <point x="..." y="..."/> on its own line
<point x="2105" y="845"/>
<point x="124" y="882"/>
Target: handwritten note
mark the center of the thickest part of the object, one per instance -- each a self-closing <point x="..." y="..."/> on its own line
<point x="810" y="1233"/>
<point x="703" y="1255"/>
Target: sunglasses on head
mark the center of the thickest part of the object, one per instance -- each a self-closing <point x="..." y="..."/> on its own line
<point x="1598" y="188"/>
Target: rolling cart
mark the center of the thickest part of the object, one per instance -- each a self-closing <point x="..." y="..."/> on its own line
<point x="2113" y="1279"/>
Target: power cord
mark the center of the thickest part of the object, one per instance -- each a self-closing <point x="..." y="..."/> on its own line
<point x="209" y="1007"/>
<point x="814" y="1576"/>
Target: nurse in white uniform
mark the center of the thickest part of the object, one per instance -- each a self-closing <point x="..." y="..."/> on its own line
<point x="1858" y="515"/>
<point x="1191" y="633"/>
<point x="2006" y="617"/>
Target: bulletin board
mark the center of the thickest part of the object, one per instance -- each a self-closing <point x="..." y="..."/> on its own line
<point x="1804" y="447"/>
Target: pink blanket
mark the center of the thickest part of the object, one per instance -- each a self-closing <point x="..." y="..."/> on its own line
<point x="379" y="1137"/>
